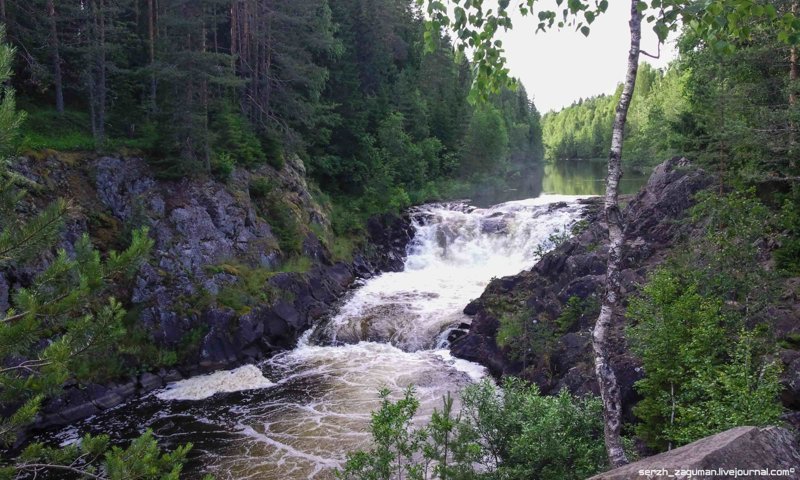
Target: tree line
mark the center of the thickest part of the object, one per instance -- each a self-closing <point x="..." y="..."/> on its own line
<point x="734" y="111"/>
<point x="202" y="86"/>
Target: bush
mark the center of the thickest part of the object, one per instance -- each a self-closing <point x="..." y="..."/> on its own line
<point x="574" y="310"/>
<point x="44" y="128"/>
<point x="260" y="187"/>
<point x="235" y="137"/>
<point x="704" y="372"/>
<point x="512" y="432"/>
<point x="699" y="328"/>
<point x="222" y="165"/>
<point x="787" y="256"/>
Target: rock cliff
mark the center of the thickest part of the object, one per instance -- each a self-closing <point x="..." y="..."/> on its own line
<point x="576" y="270"/>
<point x="217" y="274"/>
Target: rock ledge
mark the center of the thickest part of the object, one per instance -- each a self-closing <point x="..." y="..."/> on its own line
<point x="758" y="450"/>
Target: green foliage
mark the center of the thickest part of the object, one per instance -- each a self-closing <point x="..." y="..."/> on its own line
<point x="10" y="118"/>
<point x="396" y="442"/>
<point x="251" y="287"/>
<point x="486" y="140"/>
<point x="222" y="165"/>
<point x="236" y="138"/>
<point x="653" y="130"/>
<point x="787" y="256"/>
<point x="720" y="23"/>
<point x="524" y="335"/>
<point x="47" y="129"/>
<point x="249" y="290"/>
<point x="260" y="187"/>
<point x="575" y="309"/>
<point x="281" y="215"/>
<point x="511" y="432"/>
<point x="63" y="325"/>
<point x="705" y="363"/>
<point x="93" y="457"/>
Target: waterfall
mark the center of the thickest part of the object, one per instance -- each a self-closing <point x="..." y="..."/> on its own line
<point x="299" y="413"/>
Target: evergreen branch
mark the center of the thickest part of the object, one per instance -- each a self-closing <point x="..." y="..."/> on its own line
<point x="38" y="467"/>
<point x="39" y="227"/>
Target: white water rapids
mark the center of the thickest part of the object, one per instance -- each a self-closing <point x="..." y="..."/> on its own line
<point x="298" y="414"/>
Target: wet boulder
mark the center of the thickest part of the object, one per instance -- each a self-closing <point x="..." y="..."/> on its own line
<point x="720" y="456"/>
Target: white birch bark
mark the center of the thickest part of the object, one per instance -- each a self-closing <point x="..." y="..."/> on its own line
<point x="609" y="388"/>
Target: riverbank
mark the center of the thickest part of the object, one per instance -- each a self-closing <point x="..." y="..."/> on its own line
<point x="230" y="281"/>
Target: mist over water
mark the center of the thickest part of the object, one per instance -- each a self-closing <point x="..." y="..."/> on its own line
<point x="299" y="413"/>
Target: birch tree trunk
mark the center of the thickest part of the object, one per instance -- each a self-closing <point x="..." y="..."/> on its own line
<point x="606" y="322"/>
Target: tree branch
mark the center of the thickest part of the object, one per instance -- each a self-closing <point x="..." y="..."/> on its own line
<point x="36" y="467"/>
<point x="656" y="56"/>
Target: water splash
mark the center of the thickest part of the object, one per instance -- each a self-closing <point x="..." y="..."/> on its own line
<point x="456" y="250"/>
<point x="388" y="333"/>
<point x="247" y="377"/>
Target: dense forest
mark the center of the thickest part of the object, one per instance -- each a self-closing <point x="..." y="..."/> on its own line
<point x="200" y="87"/>
<point x="732" y="110"/>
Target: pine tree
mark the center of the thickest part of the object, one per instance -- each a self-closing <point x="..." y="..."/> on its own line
<point x="63" y="325"/>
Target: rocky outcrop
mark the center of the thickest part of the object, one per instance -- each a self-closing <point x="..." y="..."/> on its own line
<point x="209" y="236"/>
<point x="575" y="270"/>
<point x="770" y="452"/>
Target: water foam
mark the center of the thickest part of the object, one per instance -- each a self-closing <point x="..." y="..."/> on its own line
<point x="247" y="377"/>
<point x="388" y="334"/>
<point x="456" y="251"/>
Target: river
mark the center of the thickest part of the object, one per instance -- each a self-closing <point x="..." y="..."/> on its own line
<point x="297" y="414"/>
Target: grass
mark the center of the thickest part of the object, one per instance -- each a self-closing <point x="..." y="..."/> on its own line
<point x="46" y="129"/>
<point x="251" y="287"/>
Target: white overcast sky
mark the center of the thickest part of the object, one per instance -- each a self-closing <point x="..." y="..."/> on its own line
<point x="559" y="67"/>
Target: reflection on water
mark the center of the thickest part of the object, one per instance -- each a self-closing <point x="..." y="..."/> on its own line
<point x="585" y="177"/>
<point x="561" y="177"/>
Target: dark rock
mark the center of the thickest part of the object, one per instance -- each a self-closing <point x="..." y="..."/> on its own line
<point x="741" y="448"/>
<point x="577" y="268"/>
<point x="494" y="225"/>
<point x="472" y="307"/>
<point x="313" y="249"/>
<point x="390" y="234"/>
<point x="125" y="389"/>
<point x="286" y="312"/>
<point x="205" y="233"/>
<point x="73" y="413"/>
<point x="790" y="395"/>
<point x="171" y="375"/>
<point x="149" y="382"/>
<point x="103" y="397"/>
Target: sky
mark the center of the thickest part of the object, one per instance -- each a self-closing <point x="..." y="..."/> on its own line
<point x="559" y="67"/>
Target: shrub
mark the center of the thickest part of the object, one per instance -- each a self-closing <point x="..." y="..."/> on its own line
<point x="512" y="432"/>
<point x="699" y="328"/>
<point x="260" y="187"/>
<point x="235" y="137"/>
<point x="222" y="165"/>
<point x="574" y="310"/>
<point x="704" y="371"/>
<point x="787" y="256"/>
